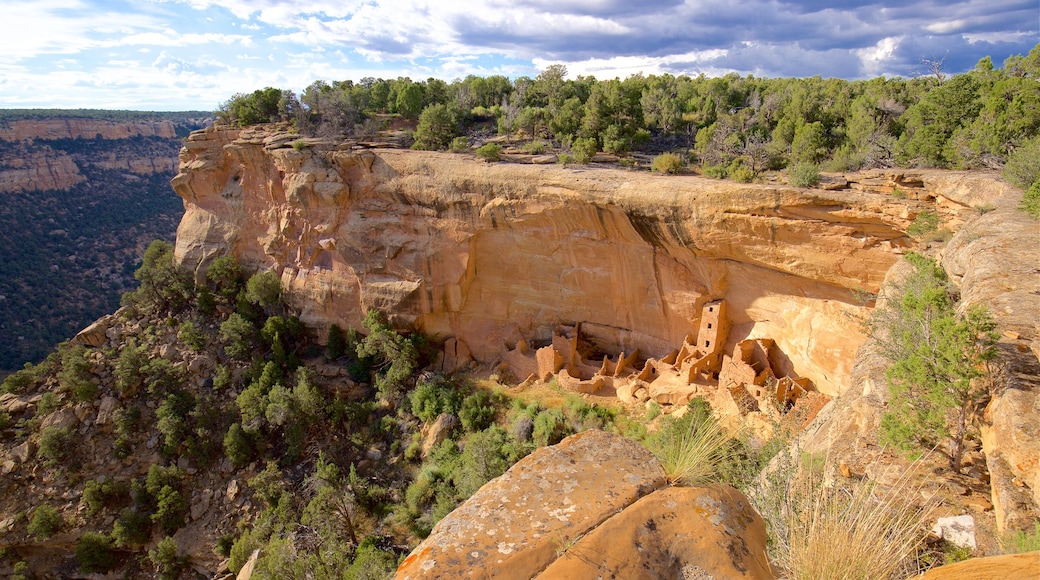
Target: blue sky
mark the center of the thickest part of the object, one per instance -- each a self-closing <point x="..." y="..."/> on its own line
<point x="194" y="54"/>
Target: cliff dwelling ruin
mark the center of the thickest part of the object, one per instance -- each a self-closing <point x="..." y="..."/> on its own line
<point x="743" y="382"/>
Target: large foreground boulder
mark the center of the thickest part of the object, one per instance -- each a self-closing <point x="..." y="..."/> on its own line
<point x="595" y="505"/>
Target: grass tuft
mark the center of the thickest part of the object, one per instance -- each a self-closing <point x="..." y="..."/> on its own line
<point x="848" y="529"/>
<point x="692" y="456"/>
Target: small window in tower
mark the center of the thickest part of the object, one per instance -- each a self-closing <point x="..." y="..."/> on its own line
<point x="709" y="326"/>
<point x="711" y="309"/>
<point x="707" y="343"/>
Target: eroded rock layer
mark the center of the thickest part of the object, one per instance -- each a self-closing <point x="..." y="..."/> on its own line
<point x="493" y="254"/>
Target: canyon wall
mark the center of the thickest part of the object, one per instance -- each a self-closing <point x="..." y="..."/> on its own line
<point x="495" y="253"/>
<point x="32" y="160"/>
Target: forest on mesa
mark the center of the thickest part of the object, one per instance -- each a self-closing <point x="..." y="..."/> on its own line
<point x="729" y="126"/>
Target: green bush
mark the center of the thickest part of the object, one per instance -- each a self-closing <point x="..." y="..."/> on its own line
<point x="165" y="559"/>
<point x="264" y="289"/>
<point x="94" y="553"/>
<point x="490" y="151"/>
<point x="432" y="396"/>
<point x="1023" y="165"/>
<point x="336" y="343"/>
<point x="667" y="163"/>
<point x="535" y="147"/>
<point x="171" y="507"/>
<point x="45" y="522"/>
<point x="436" y="129"/>
<point x="396" y="355"/>
<point x="459" y="145"/>
<point x="238" y="334"/>
<point x="191" y="336"/>
<point x="1031" y="200"/>
<point x="926" y="222"/>
<point x="740" y="172"/>
<point x="938" y="363"/>
<point x="19" y="381"/>
<point x="131" y="528"/>
<point x="477" y="412"/>
<point x="715" y="171"/>
<point x="54" y="445"/>
<point x="102" y="493"/>
<point x="804" y="175"/>
<point x="238" y="446"/>
<point x="1021" y="541"/>
<point x="584" y="149"/>
<point x="564" y="158"/>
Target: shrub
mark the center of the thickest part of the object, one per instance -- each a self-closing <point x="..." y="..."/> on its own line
<point x="938" y="363"/>
<point x="101" y="493"/>
<point x="459" y="145"/>
<point x="19" y="381"/>
<point x="299" y="144"/>
<point x="804" y="175"/>
<point x="436" y="129"/>
<point x="667" y="163"/>
<point x="925" y="223"/>
<point x="740" y="172"/>
<point x="165" y="559"/>
<point x="564" y="158"/>
<point x="226" y="276"/>
<point x="264" y="289"/>
<point x="1021" y="541"/>
<point x="1031" y="200"/>
<point x="239" y="335"/>
<point x="584" y="149"/>
<point x="1023" y="165"/>
<point x="238" y="446"/>
<point x="715" y="171"/>
<point x="477" y="412"/>
<point x="131" y="528"/>
<point x="433" y="396"/>
<point x="54" y="445"/>
<point x="490" y="151"/>
<point x="535" y="147"/>
<point x="75" y="375"/>
<point x="94" y="553"/>
<point x="45" y="522"/>
<point x="191" y="336"/>
<point x="171" y="507"/>
<point x="482" y="460"/>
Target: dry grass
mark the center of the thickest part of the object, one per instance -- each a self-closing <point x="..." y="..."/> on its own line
<point x="692" y="456"/>
<point x="842" y="531"/>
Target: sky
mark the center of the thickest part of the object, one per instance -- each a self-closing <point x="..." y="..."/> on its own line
<point x="194" y="54"/>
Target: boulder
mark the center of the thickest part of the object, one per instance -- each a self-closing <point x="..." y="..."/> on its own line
<point x="95" y="334"/>
<point x="516" y="524"/>
<point x="957" y="530"/>
<point x="439" y="431"/>
<point x="702" y="532"/>
<point x="993" y="568"/>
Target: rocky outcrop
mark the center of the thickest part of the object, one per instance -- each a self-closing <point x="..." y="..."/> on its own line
<point x="992" y="568"/>
<point x="493" y="254"/>
<point x="83" y="128"/>
<point x="564" y="511"/>
<point x="39" y="170"/>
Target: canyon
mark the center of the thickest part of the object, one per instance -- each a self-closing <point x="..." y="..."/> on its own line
<point x="94" y="187"/>
<point x="493" y="255"/>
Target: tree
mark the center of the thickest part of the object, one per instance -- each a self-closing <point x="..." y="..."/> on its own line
<point x="939" y="370"/>
<point x="436" y="129"/>
<point x="264" y="289"/>
<point x="394" y="356"/>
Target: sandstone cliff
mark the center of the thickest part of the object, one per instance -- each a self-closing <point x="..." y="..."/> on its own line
<point x="495" y="253"/>
<point x="29" y="162"/>
<point x="83" y="128"/>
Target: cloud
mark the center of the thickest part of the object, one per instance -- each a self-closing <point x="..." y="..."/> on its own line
<point x="206" y="50"/>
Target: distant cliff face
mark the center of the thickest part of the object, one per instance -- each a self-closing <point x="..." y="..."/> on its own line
<point x="80" y="198"/>
<point x="29" y="162"/>
<point x="74" y="128"/>
<point x="495" y="253"/>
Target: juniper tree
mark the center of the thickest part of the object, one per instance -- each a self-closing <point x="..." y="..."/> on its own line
<point x="938" y="363"/>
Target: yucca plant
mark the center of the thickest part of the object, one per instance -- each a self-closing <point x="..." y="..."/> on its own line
<point x="692" y="449"/>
